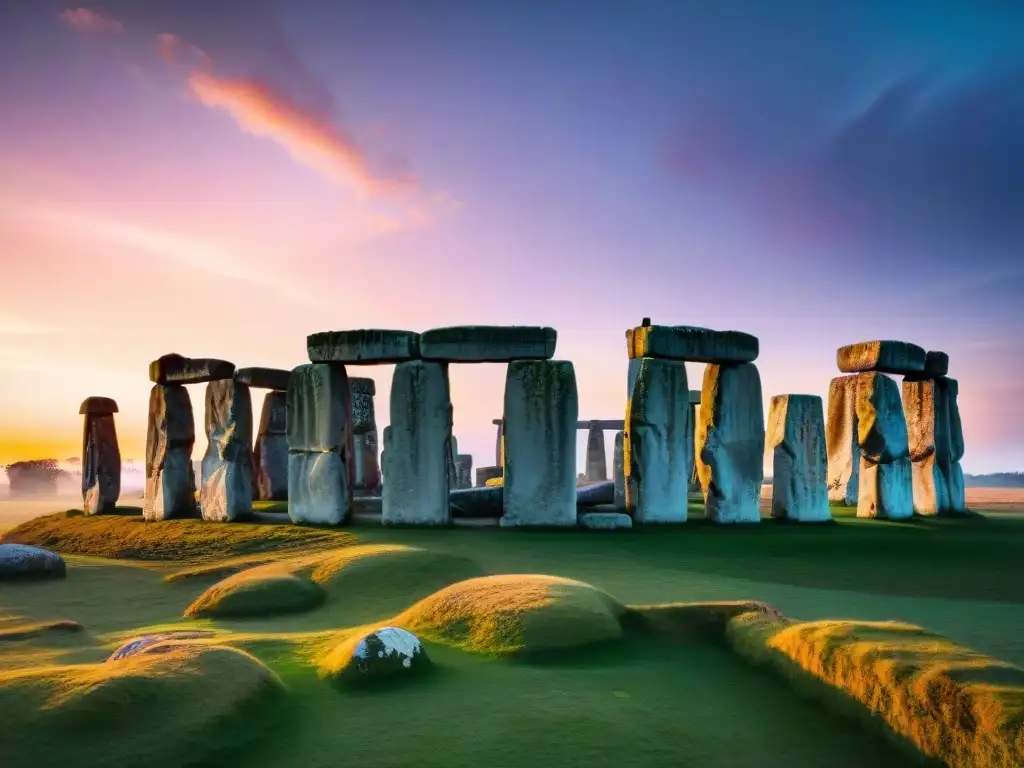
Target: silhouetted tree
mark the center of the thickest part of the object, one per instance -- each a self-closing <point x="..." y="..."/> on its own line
<point x="39" y="476"/>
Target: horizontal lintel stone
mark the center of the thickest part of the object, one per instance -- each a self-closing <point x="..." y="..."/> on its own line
<point x="488" y="343"/>
<point x="365" y="346"/>
<point x="178" y="369"/>
<point x="692" y="344"/>
<point x="263" y="378"/>
<point x="894" y="357"/>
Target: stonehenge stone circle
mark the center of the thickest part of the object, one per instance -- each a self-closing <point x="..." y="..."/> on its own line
<point x="177" y="369"/>
<point x="417" y="446"/>
<point x="541" y="413"/>
<point x="101" y="456"/>
<point x="657" y="444"/>
<point x="895" y="357"/>
<point x="170" y="437"/>
<point x="226" y="490"/>
<point x="796" y="437"/>
<point x="885" y="488"/>
<point x="731" y="437"/>
<point x="319" y="444"/>
<point x="488" y="343"/>
<point x="270" y="456"/>
<point x="841" y="441"/>
<point x="372" y="346"/>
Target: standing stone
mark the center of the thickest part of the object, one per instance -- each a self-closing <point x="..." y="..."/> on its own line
<point x="541" y="411"/>
<point x="453" y="469"/>
<point x="634" y="369"/>
<point x="417" y="446"/>
<point x="657" y="449"/>
<point x="319" y="444"/>
<point x="170" y="437"/>
<point x="841" y="441"/>
<point x="619" y="498"/>
<point x="464" y="470"/>
<point x="731" y="440"/>
<point x="796" y="436"/>
<point x="693" y="486"/>
<point x="927" y="413"/>
<point x="366" y="466"/>
<point x="226" y="491"/>
<point x="885" y="483"/>
<point x="955" y="480"/>
<point x="101" y="456"/>
<point x="597" y="459"/>
<point x="270" y="457"/>
<point x="499" y="444"/>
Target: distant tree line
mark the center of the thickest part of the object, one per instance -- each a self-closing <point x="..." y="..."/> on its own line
<point x="30" y="478"/>
<point x="996" y="480"/>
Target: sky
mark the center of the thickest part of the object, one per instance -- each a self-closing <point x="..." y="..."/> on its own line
<point x="222" y="178"/>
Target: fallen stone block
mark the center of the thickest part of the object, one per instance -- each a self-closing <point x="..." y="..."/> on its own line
<point x="598" y="493"/>
<point x="691" y="343"/>
<point x="619" y="470"/>
<point x="98" y="406"/>
<point x="927" y="415"/>
<point x="367" y="346"/>
<point x="896" y="357"/>
<point x="417" y="446"/>
<point x="657" y="443"/>
<point x="263" y="378"/>
<point x="488" y="343"/>
<point x="482" y="501"/>
<point x="606" y="521"/>
<point x="318" y="491"/>
<point x="841" y="441"/>
<point x="541" y="411"/>
<point x="597" y="459"/>
<point x="177" y="369"/>
<point x="226" y="490"/>
<point x="936" y="364"/>
<point x="101" y="462"/>
<point x="796" y="438"/>
<point x="270" y="455"/>
<point x="885" y="490"/>
<point x="170" y="437"/>
<point x="730" y="437"/>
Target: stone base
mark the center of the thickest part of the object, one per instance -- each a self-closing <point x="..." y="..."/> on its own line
<point x="930" y="494"/>
<point x="318" y="489"/>
<point x="170" y="491"/>
<point x="885" y="490"/>
<point x="226" y="494"/>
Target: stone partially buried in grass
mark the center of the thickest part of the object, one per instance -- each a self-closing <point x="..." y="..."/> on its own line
<point x="184" y="707"/>
<point x="263" y="591"/>
<point x="364" y="346"/>
<point x="516" y="615"/>
<point x="690" y="343"/>
<point x="385" y="654"/>
<point x="488" y="343"/>
<point x="24" y="562"/>
<point x="158" y="642"/>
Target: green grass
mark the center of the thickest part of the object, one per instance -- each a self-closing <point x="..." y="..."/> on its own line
<point x="661" y="693"/>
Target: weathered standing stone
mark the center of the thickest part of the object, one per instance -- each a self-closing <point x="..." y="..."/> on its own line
<point x="885" y="487"/>
<point x="619" y="468"/>
<point x="693" y="485"/>
<point x="417" y="446"/>
<point x="597" y="459"/>
<point x="488" y="343"/>
<point x="366" y="465"/>
<point x="453" y="470"/>
<point x="270" y="456"/>
<point x="483" y="474"/>
<point x="687" y="342"/>
<point x="177" y="369"/>
<point x="895" y="357"/>
<point x="101" y="456"/>
<point x="796" y="437"/>
<point x="226" y="491"/>
<point x="499" y="443"/>
<point x="841" y="441"/>
<point x="170" y="437"/>
<point x="366" y="346"/>
<point x="955" y="480"/>
<point x="927" y="415"/>
<point x="541" y="411"/>
<point x="633" y="370"/>
<point x="657" y="449"/>
<point x="319" y="444"/>
<point x="464" y="470"/>
<point x="263" y="378"/>
<point x="730" y="436"/>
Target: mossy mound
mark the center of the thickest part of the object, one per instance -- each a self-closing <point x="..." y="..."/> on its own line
<point x="264" y="591"/>
<point x="174" y="709"/>
<point x="949" y="702"/>
<point x="132" y="538"/>
<point x="516" y="614"/>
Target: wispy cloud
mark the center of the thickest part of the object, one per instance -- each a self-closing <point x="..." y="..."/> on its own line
<point x="88" y="20"/>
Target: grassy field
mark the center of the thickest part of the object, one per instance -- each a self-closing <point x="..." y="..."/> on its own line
<point x="642" y="700"/>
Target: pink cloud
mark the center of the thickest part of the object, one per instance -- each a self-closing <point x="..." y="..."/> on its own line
<point x="87" y="20"/>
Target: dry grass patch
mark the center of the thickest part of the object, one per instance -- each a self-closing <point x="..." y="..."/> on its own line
<point x="516" y="614"/>
<point x="950" y="702"/>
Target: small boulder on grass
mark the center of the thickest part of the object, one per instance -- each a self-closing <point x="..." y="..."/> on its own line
<point x="158" y="642"/>
<point x="21" y="561"/>
<point x="387" y="653"/>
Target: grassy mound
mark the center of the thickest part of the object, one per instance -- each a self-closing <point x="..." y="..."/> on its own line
<point x="172" y="709"/>
<point x="39" y="629"/>
<point x="515" y="615"/>
<point x="132" y="538"/>
<point x="263" y="591"/>
<point x="950" y="702"/>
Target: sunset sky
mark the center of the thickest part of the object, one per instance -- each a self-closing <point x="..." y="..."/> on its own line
<point x="222" y="178"/>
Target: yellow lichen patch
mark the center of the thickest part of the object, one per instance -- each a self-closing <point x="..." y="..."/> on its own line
<point x="513" y="614"/>
<point x="495" y="482"/>
<point x="167" y="709"/>
<point x="949" y="701"/>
